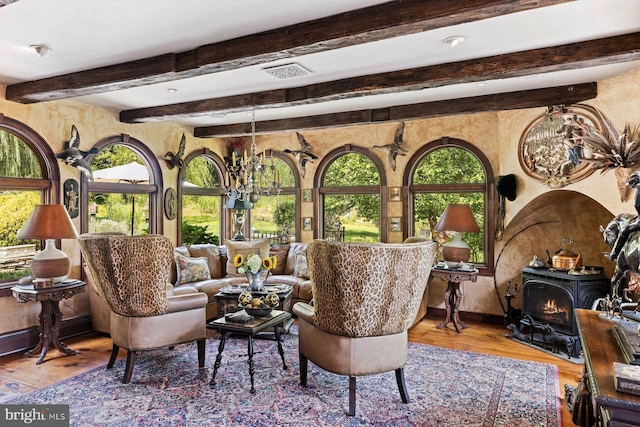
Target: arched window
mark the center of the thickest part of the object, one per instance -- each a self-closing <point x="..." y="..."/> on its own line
<point x="274" y="215"/>
<point x="29" y="175"/>
<point x="202" y="198"/>
<point x="447" y="171"/>
<point x="125" y="193"/>
<point x="351" y="188"/>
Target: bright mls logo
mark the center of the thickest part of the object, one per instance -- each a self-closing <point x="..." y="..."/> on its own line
<point x="34" y="415"/>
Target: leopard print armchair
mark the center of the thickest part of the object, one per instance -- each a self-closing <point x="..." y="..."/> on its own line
<point x="131" y="274"/>
<point x="365" y="297"/>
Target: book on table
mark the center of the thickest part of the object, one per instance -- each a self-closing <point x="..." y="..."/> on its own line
<point x="627" y="378"/>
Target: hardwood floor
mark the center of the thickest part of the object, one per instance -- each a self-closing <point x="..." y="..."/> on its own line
<point x="19" y="375"/>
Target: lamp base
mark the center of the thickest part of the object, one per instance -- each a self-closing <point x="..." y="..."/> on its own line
<point x="455" y="254"/>
<point x="456" y="250"/>
<point x="50" y="263"/>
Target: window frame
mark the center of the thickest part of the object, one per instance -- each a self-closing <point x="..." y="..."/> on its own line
<point x="48" y="185"/>
<point x="488" y="188"/>
<point x="320" y="190"/>
<point x="154" y="188"/>
<point x="218" y="164"/>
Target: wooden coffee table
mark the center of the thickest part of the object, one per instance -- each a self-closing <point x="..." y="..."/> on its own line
<point x="274" y="320"/>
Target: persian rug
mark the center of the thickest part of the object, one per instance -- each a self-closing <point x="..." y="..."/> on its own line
<point x="447" y="388"/>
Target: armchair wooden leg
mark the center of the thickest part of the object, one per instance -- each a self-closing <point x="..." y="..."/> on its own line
<point x="303" y="370"/>
<point x="201" y="348"/>
<point x="128" y="370"/>
<point x="114" y="356"/>
<point x="404" y="393"/>
<point x="352" y="396"/>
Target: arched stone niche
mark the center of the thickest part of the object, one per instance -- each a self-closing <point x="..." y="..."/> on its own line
<point x="542" y="224"/>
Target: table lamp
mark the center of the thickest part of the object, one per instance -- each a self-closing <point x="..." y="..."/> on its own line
<point x="49" y="222"/>
<point x="457" y="218"/>
<point x="239" y="206"/>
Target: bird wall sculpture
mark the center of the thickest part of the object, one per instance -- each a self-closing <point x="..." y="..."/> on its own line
<point x="74" y="156"/>
<point x="304" y="155"/>
<point x="175" y="160"/>
<point x="394" y="149"/>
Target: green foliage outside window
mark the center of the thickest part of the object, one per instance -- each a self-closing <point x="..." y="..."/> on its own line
<point x="358" y="213"/>
<point x="17" y="160"/>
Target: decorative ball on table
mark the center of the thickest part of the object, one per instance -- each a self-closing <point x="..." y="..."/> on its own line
<point x="245" y="298"/>
<point x="272" y="299"/>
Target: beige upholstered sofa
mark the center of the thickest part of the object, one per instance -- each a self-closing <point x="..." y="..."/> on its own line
<point x="291" y="268"/>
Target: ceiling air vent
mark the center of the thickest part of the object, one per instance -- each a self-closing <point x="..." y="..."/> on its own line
<point x="287" y="71"/>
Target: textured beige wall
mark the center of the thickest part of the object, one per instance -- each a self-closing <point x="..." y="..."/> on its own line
<point x="496" y="134"/>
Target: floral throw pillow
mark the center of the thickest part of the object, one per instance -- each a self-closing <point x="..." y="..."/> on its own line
<point x="301" y="269"/>
<point x="192" y="269"/>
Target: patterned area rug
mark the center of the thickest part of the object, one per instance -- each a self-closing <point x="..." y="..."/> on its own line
<point x="447" y="388"/>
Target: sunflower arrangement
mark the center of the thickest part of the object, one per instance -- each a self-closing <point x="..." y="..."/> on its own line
<point x="254" y="264"/>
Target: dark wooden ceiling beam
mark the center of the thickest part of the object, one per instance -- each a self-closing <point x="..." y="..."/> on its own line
<point x="378" y="22"/>
<point x="572" y="56"/>
<point x="497" y="102"/>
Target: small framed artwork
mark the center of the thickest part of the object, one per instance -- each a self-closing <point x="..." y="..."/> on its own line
<point x="396" y="224"/>
<point x="307" y="195"/>
<point x="394" y="194"/>
<point x="71" y="196"/>
<point x="170" y="203"/>
<point x="306" y="223"/>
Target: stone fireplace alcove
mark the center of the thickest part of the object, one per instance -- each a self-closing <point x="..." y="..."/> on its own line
<point x="542" y="224"/>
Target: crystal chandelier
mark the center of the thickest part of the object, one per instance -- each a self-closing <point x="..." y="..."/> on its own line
<point x="251" y="176"/>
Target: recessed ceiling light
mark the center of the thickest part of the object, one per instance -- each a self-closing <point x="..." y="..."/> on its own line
<point x="454" y="41"/>
<point x="40" y="49"/>
<point x="481" y="84"/>
<point x="172" y="90"/>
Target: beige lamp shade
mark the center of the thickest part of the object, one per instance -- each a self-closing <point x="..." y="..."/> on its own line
<point x="458" y="218"/>
<point x="49" y="222"/>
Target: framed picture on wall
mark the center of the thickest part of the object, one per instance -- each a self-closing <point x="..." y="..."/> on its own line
<point x="307" y="196"/>
<point x="396" y="224"/>
<point x="306" y="223"/>
<point x="394" y="194"/>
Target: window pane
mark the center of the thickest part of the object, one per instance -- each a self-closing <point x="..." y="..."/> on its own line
<point x="16" y="254"/>
<point x="200" y="219"/>
<point x="201" y="172"/>
<point x="428" y="208"/>
<point x="449" y="165"/>
<point x="359" y="214"/>
<point x="274" y="216"/>
<point x="17" y="160"/>
<point x="351" y="169"/>
<point x="119" y="213"/>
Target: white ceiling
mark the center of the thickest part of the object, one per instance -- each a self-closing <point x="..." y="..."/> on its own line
<point x="85" y="34"/>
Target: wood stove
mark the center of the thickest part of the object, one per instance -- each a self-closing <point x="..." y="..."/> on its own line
<point x="550" y="297"/>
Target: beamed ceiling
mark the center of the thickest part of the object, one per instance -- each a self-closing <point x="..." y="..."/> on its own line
<point x="203" y="63"/>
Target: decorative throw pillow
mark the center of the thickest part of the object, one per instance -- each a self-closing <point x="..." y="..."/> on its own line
<point x="301" y="269"/>
<point x="212" y="253"/>
<point x="235" y="247"/>
<point x="192" y="269"/>
<point x="280" y="252"/>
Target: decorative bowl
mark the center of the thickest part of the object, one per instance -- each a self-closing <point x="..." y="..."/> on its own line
<point x="258" y="312"/>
